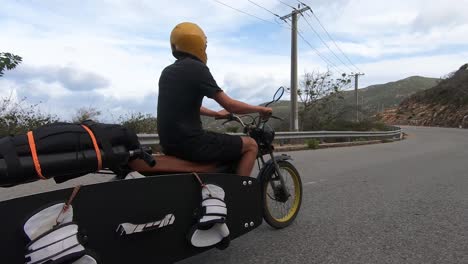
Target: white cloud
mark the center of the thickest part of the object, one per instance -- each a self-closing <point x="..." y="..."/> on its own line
<point x="395" y="69"/>
<point x="441" y="14"/>
<point x="126" y="43"/>
<point x="406" y="43"/>
<point x="376" y="29"/>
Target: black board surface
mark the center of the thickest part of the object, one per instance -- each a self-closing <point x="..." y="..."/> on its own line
<point x="100" y="208"/>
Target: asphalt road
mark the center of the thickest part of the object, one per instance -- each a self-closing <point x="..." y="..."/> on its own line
<point x="401" y="202"/>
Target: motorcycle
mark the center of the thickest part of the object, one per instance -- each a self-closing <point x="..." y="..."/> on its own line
<point x="158" y="209"/>
<point x="280" y="181"/>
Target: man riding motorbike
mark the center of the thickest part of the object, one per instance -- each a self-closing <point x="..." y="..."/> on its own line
<point x="182" y="87"/>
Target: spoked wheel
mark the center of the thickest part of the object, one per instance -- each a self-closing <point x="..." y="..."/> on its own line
<point x="280" y="209"/>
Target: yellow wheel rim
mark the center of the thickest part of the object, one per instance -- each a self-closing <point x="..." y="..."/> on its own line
<point x="297" y="198"/>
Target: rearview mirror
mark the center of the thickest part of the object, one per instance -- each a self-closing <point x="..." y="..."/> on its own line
<point x="279" y="93"/>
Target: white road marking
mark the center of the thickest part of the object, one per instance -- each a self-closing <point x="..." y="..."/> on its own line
<point x="309" y="183"/>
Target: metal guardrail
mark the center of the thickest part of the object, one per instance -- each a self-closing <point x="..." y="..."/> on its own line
<point x="153" y="139"/>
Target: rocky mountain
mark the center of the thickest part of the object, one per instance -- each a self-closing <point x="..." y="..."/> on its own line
<point x="445" y="105"/>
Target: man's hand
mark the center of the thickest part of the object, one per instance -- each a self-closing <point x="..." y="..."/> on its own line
<point x="265" y="112"/>
<point x="222" y="114"/>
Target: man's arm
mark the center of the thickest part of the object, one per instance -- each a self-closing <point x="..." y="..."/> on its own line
<point x="207" y="112"/>
<point x="237" y="107"/>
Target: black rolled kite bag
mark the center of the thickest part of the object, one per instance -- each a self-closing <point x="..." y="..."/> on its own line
<point x="64" y="151"/>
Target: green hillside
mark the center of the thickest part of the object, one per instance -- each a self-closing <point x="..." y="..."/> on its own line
<point x="376" y="98"/>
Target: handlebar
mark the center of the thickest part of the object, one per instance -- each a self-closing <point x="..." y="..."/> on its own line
<point x="232" y="117"/>
<point x="278" y="118"/>
<point x="276" y="97"/>
<point x="228" y="117"/>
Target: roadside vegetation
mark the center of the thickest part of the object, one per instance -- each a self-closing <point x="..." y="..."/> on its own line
<point x="324" y="105"/>
<point x="312" y="143"/>
<point x="17" y="116"/>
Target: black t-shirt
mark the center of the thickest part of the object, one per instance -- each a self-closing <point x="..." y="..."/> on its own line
<point x="182" y="87"/>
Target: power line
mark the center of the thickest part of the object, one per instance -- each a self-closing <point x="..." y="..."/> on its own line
<point x="325" y="59"/>
<point x="286" y="4"/>
<point x="300" y="2"/>
<point x="329" y="36"/>
<point x="259" y="18"/>
<point x="334" y="42"/>
<point x="243" y="12"/>
<point x="325" y="43"/>
<point x="264" y="8"/>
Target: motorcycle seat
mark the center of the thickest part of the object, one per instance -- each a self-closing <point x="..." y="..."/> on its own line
<point x="170" y="164"/>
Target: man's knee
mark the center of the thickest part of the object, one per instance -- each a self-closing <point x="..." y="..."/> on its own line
<point x="249" y="144"/>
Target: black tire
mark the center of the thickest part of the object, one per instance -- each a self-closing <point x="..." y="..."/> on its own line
<point x="269" y="217"/>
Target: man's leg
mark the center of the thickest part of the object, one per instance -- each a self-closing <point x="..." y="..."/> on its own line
<point x="249" y="154"/>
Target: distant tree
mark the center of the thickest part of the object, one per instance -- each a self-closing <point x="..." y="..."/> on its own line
<point x="86" y="113"/>
<point x="139" y="122"/>
<point x="319" y="92"/>
<point x="447" y="76"/>
<point x="8" y="61"/>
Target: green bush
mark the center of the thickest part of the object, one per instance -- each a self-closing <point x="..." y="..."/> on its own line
<point x="313" y="143"/>
<point x="19" y="117"/>
<point x="139" y="123"/>
<point x="86" y="113"/>
<point x="232" y="129"/>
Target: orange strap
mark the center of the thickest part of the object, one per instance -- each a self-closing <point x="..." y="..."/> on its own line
<point x="96" y="146"/>
<point x="32" y="146"/>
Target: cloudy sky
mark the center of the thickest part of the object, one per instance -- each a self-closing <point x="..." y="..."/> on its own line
<point x="109" y="54"/>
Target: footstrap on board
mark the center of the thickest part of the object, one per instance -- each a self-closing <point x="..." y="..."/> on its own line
<point x="60" y="243"/>
<point x="211" y="228"/>
<point x="55" y="239"/>
<point x="214" y="211"/>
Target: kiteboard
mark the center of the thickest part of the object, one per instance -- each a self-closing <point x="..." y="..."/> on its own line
<point x="144" y="220"/>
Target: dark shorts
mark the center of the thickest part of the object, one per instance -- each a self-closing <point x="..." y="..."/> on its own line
<point x="209" y="147"/>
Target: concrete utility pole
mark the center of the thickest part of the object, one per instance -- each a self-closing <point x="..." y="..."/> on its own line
<point x="294" y="122"/>
<point x="356" y="80"/>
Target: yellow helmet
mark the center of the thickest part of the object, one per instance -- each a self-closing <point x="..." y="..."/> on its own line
<point x="189" y="38"/>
